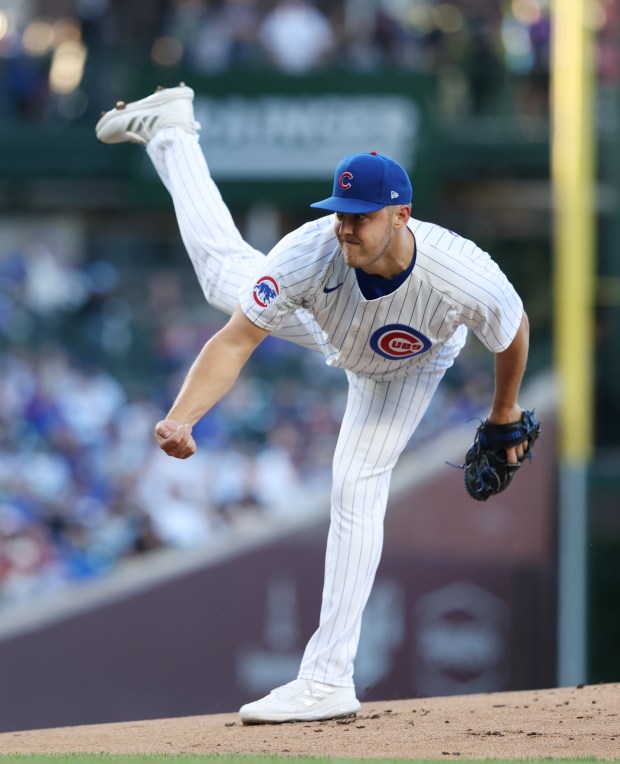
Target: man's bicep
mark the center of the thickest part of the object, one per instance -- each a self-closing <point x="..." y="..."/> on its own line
<point x="242" y="332"/>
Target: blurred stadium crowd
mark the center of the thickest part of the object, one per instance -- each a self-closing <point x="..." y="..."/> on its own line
<point x="59" y="58"/>
<point x="82" y="485"/>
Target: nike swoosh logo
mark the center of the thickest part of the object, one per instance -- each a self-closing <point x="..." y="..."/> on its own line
<point x="327" y="289"/>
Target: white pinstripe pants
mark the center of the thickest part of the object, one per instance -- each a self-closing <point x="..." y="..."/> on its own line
<point x="379" y="419"/>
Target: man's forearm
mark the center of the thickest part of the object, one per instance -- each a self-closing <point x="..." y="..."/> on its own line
<point x="509" y="369"/>
<point x="210" y="377"/>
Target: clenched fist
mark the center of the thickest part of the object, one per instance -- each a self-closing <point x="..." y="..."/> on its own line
<point x="175" y="439"/>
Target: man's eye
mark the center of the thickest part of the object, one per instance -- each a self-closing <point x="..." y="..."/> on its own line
<point x="358" y="217"/>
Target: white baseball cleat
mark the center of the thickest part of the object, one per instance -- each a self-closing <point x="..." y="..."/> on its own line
<point x="302" y="700"/>
<point x="138" y="121"/>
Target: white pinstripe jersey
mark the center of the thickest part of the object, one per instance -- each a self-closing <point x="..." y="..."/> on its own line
<point x="453" y="285"/>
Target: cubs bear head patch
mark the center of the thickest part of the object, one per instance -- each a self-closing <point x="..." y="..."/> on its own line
<point x="266" y="291"/>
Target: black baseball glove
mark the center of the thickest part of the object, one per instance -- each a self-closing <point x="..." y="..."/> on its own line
<point x="486" y="467"/>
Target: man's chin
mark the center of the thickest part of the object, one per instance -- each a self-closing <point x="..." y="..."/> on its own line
<point x="351" y="254"/>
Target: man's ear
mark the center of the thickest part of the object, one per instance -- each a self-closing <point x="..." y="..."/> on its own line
<point x="402" y="215"/>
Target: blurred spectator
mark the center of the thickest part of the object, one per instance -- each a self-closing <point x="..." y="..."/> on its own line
<point x="241" y="19"/>
<point x="226" y="38"/>
<point x="297" y="36"/>
<point x="483" y="66"/>
<point x="51" y="284"/>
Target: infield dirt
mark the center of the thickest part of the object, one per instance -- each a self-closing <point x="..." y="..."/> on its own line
<point x="576" y="722"/>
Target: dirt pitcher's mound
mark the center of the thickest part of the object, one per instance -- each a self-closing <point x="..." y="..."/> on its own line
<point x="580" y="722"/>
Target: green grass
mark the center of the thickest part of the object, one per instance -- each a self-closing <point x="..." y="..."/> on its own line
<point x="97" y="758"/>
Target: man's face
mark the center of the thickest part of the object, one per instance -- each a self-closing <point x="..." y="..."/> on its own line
<point x="365" y="238"/>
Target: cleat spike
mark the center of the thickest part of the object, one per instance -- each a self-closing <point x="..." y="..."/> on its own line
<point x="120" y="104"/>
<point x="159" y="88"/>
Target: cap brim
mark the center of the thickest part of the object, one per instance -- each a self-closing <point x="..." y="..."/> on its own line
<point x="341" y="204"/>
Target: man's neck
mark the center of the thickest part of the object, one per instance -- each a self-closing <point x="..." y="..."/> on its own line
<point x="395" y="262"/>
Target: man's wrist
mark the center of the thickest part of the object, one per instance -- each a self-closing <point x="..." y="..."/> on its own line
<point x="504" y="414"/>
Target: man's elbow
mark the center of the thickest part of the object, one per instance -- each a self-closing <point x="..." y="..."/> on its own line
<point x="522" y="337"/>
<point x="524" y="328"/>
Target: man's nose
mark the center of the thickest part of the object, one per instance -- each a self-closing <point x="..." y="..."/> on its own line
<point x="346" y="225"/>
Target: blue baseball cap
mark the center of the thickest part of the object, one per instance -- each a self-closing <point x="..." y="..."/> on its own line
<point x="365" y="183"/>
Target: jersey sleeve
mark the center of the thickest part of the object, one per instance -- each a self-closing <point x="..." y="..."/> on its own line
<point x="275" y="290"/>
<point x="492" y="309"/>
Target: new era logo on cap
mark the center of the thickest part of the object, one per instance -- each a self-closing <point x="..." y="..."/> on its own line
<point x="365" y="183"/>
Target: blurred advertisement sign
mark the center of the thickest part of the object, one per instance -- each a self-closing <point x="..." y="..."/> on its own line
<point x="277" y="652"/>
<point x="303" y="137"/>
<point x="461" y="642"/>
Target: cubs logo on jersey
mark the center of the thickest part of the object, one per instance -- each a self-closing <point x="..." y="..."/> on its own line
<point x="266" y="290"/>
<point x="397" y="341"/>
